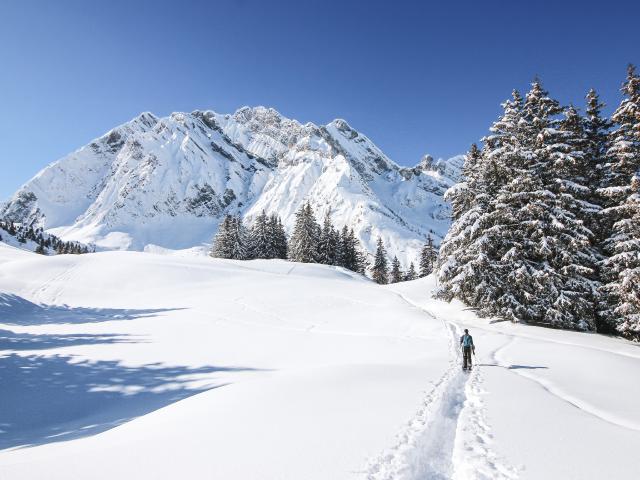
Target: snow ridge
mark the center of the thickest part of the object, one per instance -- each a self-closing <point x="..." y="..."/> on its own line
<point x="168" y="182"/>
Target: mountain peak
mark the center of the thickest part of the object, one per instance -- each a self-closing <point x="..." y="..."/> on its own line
<point x="168" y="181"/>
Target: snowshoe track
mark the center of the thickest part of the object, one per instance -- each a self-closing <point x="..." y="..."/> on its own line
<point x="449" y="437"/>
<point x="424" y="448"/>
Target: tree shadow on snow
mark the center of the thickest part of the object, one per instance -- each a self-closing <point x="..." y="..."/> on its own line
<point x="513" y="367"/>
<point x="55" y="398"/>
<point x="26" y="341"/>
<point x="15" y="310"/>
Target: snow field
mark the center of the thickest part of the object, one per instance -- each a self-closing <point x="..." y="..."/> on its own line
<point x="302" y="371"/>
<point x="171" y="364"/>
<point x="542" y="403"/>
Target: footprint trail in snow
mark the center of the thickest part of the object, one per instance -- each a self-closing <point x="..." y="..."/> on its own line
<point x="449" y="437"/>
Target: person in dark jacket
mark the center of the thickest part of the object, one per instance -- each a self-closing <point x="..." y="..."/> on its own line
<point x="466" y="342"/>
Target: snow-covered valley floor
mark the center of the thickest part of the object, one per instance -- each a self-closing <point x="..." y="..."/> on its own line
<point x="163" y="366"/>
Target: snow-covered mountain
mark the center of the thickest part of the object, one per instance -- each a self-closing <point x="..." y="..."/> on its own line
<point x="168" y="181"/>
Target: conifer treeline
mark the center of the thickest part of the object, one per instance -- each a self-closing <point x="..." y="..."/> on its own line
<point x="546" y="224"/>
<point x="46" y="243"/>
<point x="382" y="274"/>
<point x="311" y="242"/>
<point x="266" y="239"/>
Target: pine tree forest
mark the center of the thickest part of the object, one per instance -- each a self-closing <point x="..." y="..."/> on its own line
<point x="546" y="222"/>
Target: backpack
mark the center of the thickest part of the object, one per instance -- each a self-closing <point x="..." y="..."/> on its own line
<point x="467" y="340"/>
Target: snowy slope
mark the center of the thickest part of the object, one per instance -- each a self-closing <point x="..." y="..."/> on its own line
<point x="168" y="181"/>
<point x="149" y="366"/>
<point x="541" y="403"/>
<point x="292" y="366"/>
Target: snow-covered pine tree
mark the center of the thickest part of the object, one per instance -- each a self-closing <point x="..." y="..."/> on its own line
<point x="549" y="255"/>
<point x="350" y="254"/>
<point x="428" y="257"/>
<point x="303" y="246"/>
<point x="261" y="238"/>
<point x="342" y="247"/>
<point x="576" y="256"/>
<point x="539" y="237"/>
<point x="470" y="261"/>
<point x="327" y="243"/>
<point x="221" y="247"/>
<point x="239" y="239"/>
<point x="464" y="196"/>
<point x="468" y="258"/>
<point x="337" y="245"/>
<point x="362" y="262"/>
<point x="620" y="308"/>
<point x="519" y="250"/>
<point x="595" y="130"/>
<point x="348" y="249"/>
<point x="380" y="270"/>
<point x="279" y="236"/>
<point x="358" y="257"/>
<point x="396" y="274"/>
<point x="411" y="273"/>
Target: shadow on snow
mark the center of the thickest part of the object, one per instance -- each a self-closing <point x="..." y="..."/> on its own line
<point x="15" y="310"/>
<point x="26" y="341"/>
<point x="513" y="367"/>
<point x="54" y="398"/>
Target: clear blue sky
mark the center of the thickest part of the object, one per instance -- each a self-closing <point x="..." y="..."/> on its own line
<point x="415" y="76"/>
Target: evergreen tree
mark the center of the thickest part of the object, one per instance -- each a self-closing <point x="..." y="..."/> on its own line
<point x="596" y="128"/>
<point x="303" y="246"/>
<point x="379" y="271"/>
<point x="576" y="255"/>
<point x="327" y="243"/>
<point x="231" y="239"/>
<point x="350" y="254"/>
<point x="337" y="247"/>
<point x="411" y="273"/>
<point x="467" y="261"/>
<point x="396" y="272"/>
<point x="361" y="263"/>
<point x="349" y="250"/>
<point x="620" y="308"/>
<point x="428" y="257"/>
<point x="464" y="196"/>
<point x="239" y="240"/>
<point x="261" y="242"/>
<point x="519" y="250"/>
<point x="342" y="247"/>
<point x="279" y="235"/>
<point x="221" y="247"/>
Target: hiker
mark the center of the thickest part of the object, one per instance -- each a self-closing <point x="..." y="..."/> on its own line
<point x="466" y="342"/>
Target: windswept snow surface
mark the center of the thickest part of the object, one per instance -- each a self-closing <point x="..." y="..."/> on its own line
<point x="165" y="364"/>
